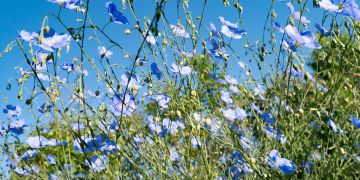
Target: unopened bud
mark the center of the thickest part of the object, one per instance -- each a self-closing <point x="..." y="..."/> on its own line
<point x="178" y="113"/>
<point x="127" y="31"/>
<point x="156" y="119"/>
<point x="193" y="93"/>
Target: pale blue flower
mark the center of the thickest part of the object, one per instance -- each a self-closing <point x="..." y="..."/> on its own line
<point x="154" y="126"/>
<point x="116" y="15"/>
<point x="244" y="68"/>
<point x="234" y="89"/>
<point x="226" y="97"/>
<point x="172" y="126"/>
<point x="40" y="142"/>
<point x="12" y="111"/>
<point x="282" y="164"/>
<point x="78" y="126"/>
<point x="196" y="142"/>
<point x="150" y="38"/>
<point x="231" y="80"/>
<point x="97" y="163"/>
<point x="174" y="155"/>
<point x="45" y="108"/>
<point x="131" y="82"/>
<point x="17" y="126"/>
<point x="219" y="53"/>
<point x="47" y="39"/>
<point x="306" y="38"/>
<point x="69" y="4"/>
<point x="240" y="114"/>
<point x="350" y="8"/>
<point x="332" y="125"/>
<point x="278" y="27"/>
<point x="355" y="121"/>
<point x="328" y="5"/>
<point x="229" y="114"/>
<point x="103" y="52"/>
<point x="54" y="42"/>
<point x="51" y="159"/>
<point x="214" y="32"/>
<point x="53" y="176"/>
<point x="270" y="132"/>
<point x="122" y="109"/>
<point x="322" y="30"/>
<point x="155" y="70"/>
<point x="68" y="67"/>
<point x="231" y="30"/>
<point x="179" y="69"/>
<point x="268" y="118"/>
<point x="297" y="15"/>
<point x="29" y="154"/>
<point x="308" y="166"/>
<point x="179" y="30"/>
<point x="21" y="171"/>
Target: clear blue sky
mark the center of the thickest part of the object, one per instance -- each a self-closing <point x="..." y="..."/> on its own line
<point x="16" y="15"/>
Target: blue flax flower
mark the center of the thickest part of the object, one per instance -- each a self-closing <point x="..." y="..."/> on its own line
<point x="355" y="121"/>
<point x="268" y="118"/>
<point x="116" y="15"/>
<point x="297" y="15"/>
<point x="51" y="159"/>
<point x="40" y="142"/>
<point x="174" y="155"/>
<point x="270" y="132"/>
<point x="179" y="30"/>
<point x="308" y="166"/>
<point x="90" y="144"/>
<point x="69" y="4"/>
<point x="123" y="109"/>
<point x="131" y="82"/>
<point x="3" y="130"/>
<point x="179" y="69"/>
<point x="45" y="108"/>
<point x="68" y="67"/>
<point x="17" y="126"/>
<point x="345" y="7"/>
<point x="97" y="163"/>
<point x="322" y="30"/>
<point x="350" y="8"/>
<point x="172" y="127"/>
<point x="155" y="70"/>
<point x="328" y="5"/>
<point x="334" y="127"/>
<point x="103" y="52"/>
<point x="231" y="30"/>
<point x="47" y="39"/>
<point x="12" y="111"/>
<point x="279" y="163"/>
<point x="29" y="154"/>
<point x="297" y="39"/>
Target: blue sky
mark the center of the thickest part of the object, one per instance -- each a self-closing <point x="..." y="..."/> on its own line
<point x="25" y="14"/>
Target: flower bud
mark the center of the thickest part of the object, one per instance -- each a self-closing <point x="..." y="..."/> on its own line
<point x="150" y="93"/>
<point x="252" y="160"/>
<point x="157" y="119"/>
<point x="127" y="31"/>
<point x="178" y="113"/>
<point x="342" y="151"/>
<point x="301" y="111"/>
<point x="193" y="93"/>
